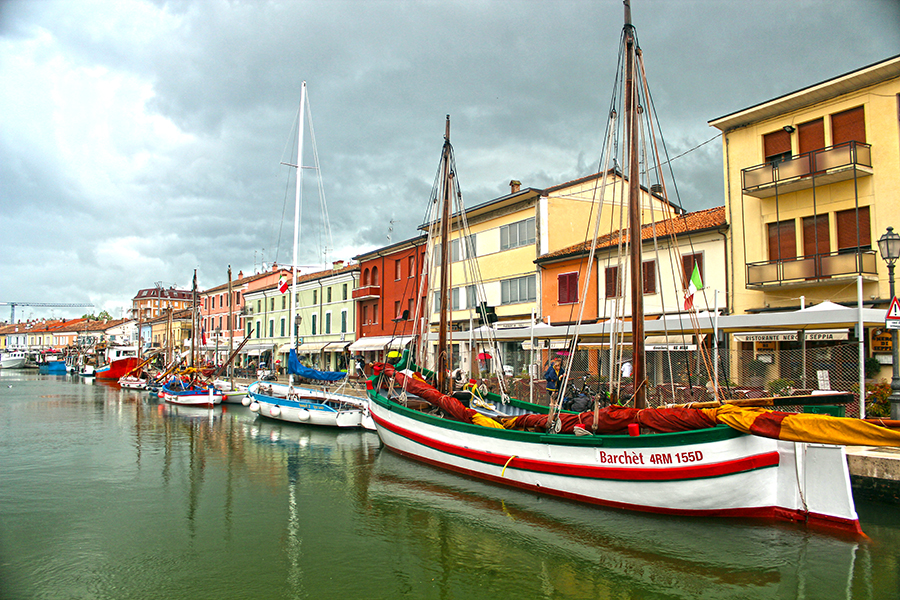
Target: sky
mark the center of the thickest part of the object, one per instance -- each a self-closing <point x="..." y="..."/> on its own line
<point x="140" y="140"/>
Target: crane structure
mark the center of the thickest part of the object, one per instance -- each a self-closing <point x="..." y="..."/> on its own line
<point x="13" y="305"/>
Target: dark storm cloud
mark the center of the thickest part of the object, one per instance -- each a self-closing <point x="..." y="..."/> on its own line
<point x="141" y="140"/>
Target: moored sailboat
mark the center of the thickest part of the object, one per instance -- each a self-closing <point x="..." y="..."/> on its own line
<point x="297" y="404"/>
<point x="718" y="461"/>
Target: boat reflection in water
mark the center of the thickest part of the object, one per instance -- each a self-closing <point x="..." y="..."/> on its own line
<point x="594" y="551"/>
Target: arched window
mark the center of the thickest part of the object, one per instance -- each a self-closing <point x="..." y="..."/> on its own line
<point x="374" y="275"/>
<point x="365" y="277"/>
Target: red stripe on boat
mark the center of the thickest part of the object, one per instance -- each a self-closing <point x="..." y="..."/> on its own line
<point x="751" y="463"/>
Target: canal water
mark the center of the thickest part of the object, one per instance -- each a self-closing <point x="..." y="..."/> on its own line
<point x="109" y="494"/>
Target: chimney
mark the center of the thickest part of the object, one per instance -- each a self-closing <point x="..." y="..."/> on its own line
<point x="514" y="186"/>
<point x="338" y="264"/>
<point x="240" y="274"/>
<point x="274" y="266"/>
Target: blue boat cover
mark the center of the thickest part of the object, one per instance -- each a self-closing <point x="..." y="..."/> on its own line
<point x="295" y="368"/>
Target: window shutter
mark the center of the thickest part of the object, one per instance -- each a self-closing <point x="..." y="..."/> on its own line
<point x="777" y="143"/>
<point x="812" y="136"/>
<point x="816" y="235"/>
<point x="567" y="284"/>
<point x="612" y="282"/>
<point x="849" y="236"/>
<point x="849" y="125"/>
<point x="650" y="277"/>
<point x="782" y="241"/>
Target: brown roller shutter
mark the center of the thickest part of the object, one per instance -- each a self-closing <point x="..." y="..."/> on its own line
<point x="849" y="236"/>
<point x="777" y="144"/>
<point x="815" y="235"/>
<point x="782" y="241"/>
<point x="812" y="136"/>
<point x="848" y="126"/>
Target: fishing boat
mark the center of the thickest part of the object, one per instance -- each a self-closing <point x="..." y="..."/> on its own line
<point x="12" y="360"/>
<point x="293" y="403"/>
<point x="720" y="461"/>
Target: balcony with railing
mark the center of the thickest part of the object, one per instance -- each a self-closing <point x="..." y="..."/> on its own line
<point x="815" y="269"/>
<point x="367" y="292"/>
<point x="821" y="167"/>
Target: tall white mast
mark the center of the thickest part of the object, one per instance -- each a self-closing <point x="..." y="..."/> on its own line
<point x="297" y="197"/>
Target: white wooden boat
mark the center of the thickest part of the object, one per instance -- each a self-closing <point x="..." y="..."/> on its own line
<point x="285" y="402"/>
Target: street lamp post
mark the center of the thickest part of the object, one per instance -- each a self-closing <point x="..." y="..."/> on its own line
<point x="889" y="248"/>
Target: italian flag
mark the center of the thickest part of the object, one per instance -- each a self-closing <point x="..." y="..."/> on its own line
<point x="283" y="283"/>
<point x="694" y="286"/>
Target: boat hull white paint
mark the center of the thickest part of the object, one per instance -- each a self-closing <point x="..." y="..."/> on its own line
<point x="687" y="473"/>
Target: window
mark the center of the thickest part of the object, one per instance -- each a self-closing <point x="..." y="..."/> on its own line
<point x="315" y="296"/>
<point x="462" y="248"/>
<point x="374" y="275"/>
<point x="517" y="234"/>
<point x="613" y="282"/>
<point x="365" y="277"/>
<point x="282" y="326"/>
<point x="411" y="266"/>
<point x="365" y="314"/>
<point x="815" y="236"/>
<point x="782" y="243"/>
<point x="220" y="323"/>
<point x="237" y="297"/>
<point x="272" y="304"/>
<point x="520" y="289"/>
<point x="283" y="302"/>
<point x="687" y="263"/>
<point x="271" y="327"/>
<point x="259" y="306"/>
<point x="853" y="229"/>
<point x="567" y="288"/>
<point x="471" y="296"/>
<point x="848" y="126"/>
<point x="454" y="299"/>
<point x="398" y="269"/>
<point x="411" y="307"/>
<point x="314" y="324"/>
<point x="257" y="330"/>
<point x="811" y="136"/>
<point x="396" y="309"/>
<point x="437" y="302"/>
<point x="344" y="292"/>
<point x="777" y="146"/>
<point x="649" y="269"/>
<point x="343" y="321"/>
<point x="327" y="322"/>
<point x="375" y="313"/>
<point x="328" y="294"/>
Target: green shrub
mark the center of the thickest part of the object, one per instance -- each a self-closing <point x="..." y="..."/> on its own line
<point x="872" y="367"/>
<point x="778" y="387"/>
<point x="878" y="399"/>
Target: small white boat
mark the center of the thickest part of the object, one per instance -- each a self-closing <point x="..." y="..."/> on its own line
<point x="133" y="383"/>
<point x="231" y="396"/>
<point x="12" y="360"/>
<point x="303" y="405"/>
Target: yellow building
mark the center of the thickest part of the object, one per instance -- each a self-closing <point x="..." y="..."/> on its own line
<point x="811" y="183"/>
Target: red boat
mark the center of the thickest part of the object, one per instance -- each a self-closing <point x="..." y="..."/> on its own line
<point x="117" y="368"/>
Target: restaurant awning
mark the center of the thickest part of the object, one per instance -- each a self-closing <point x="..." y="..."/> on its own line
<point x="336" y="346"/>
<point x="379" y="342"/>
<point x="256" y="349"/>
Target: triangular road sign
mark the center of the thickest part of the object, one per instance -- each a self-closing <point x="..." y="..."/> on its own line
<point x="894" y="311"/>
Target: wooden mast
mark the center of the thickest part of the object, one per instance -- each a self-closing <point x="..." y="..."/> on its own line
<point x="443" y="354"/>
<point x="634" y="218"/>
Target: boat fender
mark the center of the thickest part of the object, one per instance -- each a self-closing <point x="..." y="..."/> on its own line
<point x="246" y="401"/>
<point x="254" y="407"/>
<point x="303" y="414"/>
<point x="275" y="411"/>
<point x="633" y="428"/>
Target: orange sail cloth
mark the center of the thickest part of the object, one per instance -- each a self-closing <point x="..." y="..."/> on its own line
<point x="794" y="427"/>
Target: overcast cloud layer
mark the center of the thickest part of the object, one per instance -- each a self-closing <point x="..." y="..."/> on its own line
<point x="141" y="140"/>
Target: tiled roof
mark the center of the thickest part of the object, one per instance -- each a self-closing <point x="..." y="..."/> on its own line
<point x="694" y="222"/>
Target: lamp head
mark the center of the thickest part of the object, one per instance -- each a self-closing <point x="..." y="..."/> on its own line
<point x="889" y="246"/>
